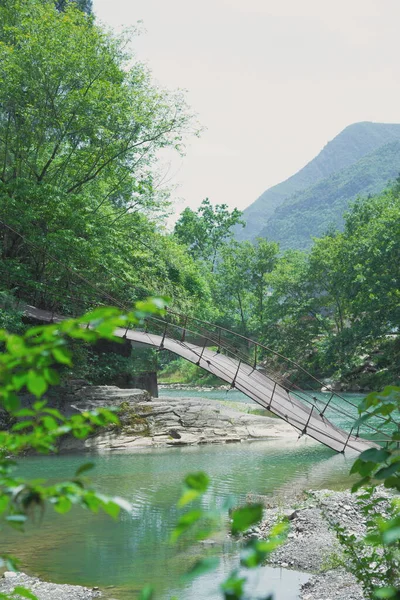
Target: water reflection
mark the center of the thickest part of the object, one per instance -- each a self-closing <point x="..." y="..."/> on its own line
<point x="93" y="550"/>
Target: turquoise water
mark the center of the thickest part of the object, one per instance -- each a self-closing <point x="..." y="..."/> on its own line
<point x="121" y="557"/>
<point x="94" y="550"/>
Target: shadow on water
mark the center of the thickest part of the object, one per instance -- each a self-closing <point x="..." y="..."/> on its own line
<point x="91" y="549"/>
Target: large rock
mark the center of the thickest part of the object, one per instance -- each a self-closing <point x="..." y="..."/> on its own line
<point x="180" y="421"/>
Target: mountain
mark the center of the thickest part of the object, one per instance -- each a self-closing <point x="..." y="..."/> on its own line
<point x="313" y="211"/>
<point x="312" y="188"/>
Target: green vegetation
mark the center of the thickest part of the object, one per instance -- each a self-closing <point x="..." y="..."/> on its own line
<point x="200" y="524"/>
<point x="27" y="364"/>
<point x="310" y="213"/>
<point x="375" y="560"/>
<point x="359" y="161"/>
<point x="181" y="371"/>
<point x="78" y="187"/>
<point x="335" y="310"/>
<point x="81" y="215"/>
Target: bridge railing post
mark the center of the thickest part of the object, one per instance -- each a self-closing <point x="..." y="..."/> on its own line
<point x="255" y="357"/>
<point x="236" y="374"/>
<point x="126" y="331"/>
<point x="308" y="420"/>
<point x="202" y="352"/>
<point x="321" y="414"/>
<point x="161" y="347"/>
<point x="347" y="441"/>
<point x="219" y="340"/>
<point x="184" y="329"/>
<point x="272" y="396"/>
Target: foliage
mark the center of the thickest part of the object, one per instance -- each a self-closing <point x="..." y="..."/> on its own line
<point x="198" y="524"/>
<point x="180" y="370"/>
<point x="242" y="283"/>
<point x="205" y="232"/>
<point x="77" y="180"/>
<point x="27" y="363"/>
<point x="375" y="560"/>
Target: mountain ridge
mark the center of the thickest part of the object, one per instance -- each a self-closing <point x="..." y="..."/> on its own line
<point x="311" y="212"/>
<point x="344" y="150"/>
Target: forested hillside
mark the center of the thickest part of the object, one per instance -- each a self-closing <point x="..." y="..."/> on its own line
<point x="317" y="209"/>
<point x="346" y="149"/>
<point x="335" y="309"/>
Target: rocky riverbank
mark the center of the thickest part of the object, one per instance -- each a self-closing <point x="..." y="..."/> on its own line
<point x="147" y="422"/>
<point x="312" y="545"/>
<point x="44" y="590"/>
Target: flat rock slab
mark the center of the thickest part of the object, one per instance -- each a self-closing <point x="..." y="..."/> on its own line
<point x="178" y="422"/>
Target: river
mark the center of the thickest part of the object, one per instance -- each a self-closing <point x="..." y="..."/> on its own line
<point x="93" y="550"/>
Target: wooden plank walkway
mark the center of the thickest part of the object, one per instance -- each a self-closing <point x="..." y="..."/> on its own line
<point x="256" y="385"/>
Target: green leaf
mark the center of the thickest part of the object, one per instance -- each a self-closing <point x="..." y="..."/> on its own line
<point x="245" y="517"/>
<point x="36" y="383"/>
<point x="22" y="425"/>
<point x="195" y="484"/>
<point x="39" y="404"/>
<point x="62" y="356"/>
<point x="391" y="536"/>
<point x="197" y="481"/>
<point x="147" y="593"/>
<point x="387" y="471"/>
<point x="63" y="505"/>
<point x="111" y="508"/>
<point x="83" y="468"/>
<point x="386" y="592"/>
<point x="188" y="496"/>
<point x="24" y="593"/>
<point x="374" y="455"/>
<point x="11" y="402"/>
<point x="233" y="587"/>
<point x="51" y="376"/>
<point x="185" y="522"/>
<point x="24" y="412"/>
<point x="4" y="503"/>
<point x="204" y="565"/>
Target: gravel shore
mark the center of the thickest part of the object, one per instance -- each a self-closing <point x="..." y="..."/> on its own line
<point x="312" y="546"/>
<point x="44" y="590"/>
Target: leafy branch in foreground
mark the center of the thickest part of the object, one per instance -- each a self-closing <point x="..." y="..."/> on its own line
<point x="27" y="364"/>
<point x="198" y="524"/>
<point x="375" y="560"/>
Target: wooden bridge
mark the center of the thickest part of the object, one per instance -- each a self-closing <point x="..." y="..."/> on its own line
<point x="234" y="359"/>
<point x="227" y="356"/>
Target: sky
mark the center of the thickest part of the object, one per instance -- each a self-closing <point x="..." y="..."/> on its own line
<point x="272" y="81"/>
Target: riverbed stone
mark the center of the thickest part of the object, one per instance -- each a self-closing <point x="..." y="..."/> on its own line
<point x="167" y="421"/>
<point x="47" y="591"/>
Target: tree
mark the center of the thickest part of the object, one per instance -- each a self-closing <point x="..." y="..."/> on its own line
<point x="205" y="231"/>
<point x="80" y="128"/>
<point x="241" y="283"/>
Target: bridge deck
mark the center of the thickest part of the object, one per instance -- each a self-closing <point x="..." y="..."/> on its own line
<point x="256" y="385"/>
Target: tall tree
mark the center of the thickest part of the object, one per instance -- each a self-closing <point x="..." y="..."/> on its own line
<point x="81" y="124"/>
<point x="205" y="231"/>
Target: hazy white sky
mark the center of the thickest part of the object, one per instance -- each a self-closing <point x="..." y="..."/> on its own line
<point x="272" y="81"/>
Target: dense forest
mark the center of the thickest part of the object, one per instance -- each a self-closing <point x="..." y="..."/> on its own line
<point x="82" y="213"/>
